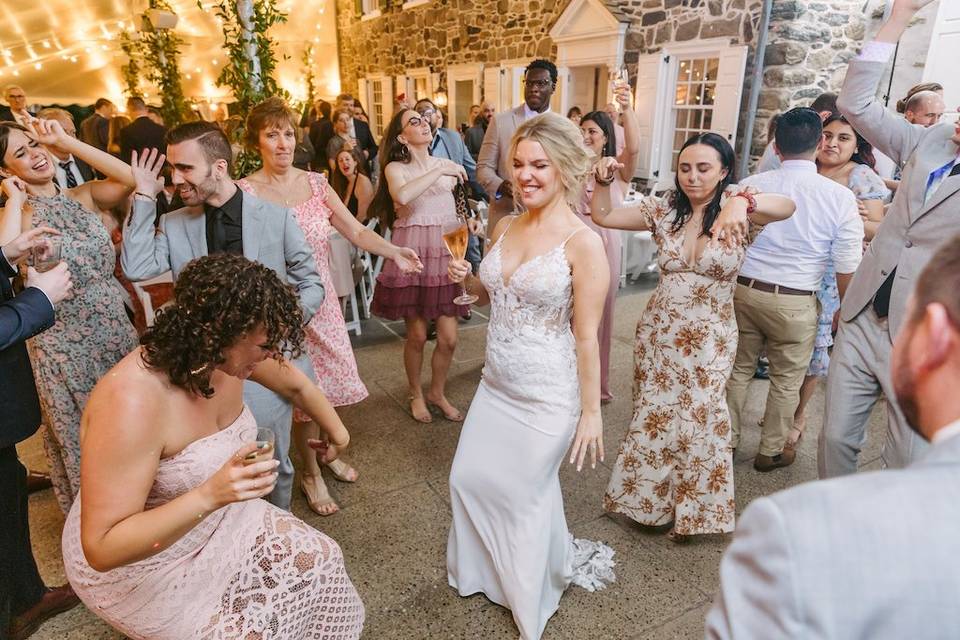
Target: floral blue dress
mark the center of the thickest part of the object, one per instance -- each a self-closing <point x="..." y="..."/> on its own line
<point x="866" y="185"/>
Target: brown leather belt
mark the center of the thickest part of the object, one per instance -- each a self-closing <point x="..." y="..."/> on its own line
<point x="760" y="285"/>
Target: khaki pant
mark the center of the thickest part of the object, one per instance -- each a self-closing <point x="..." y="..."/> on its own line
<point x="787" y="326"/>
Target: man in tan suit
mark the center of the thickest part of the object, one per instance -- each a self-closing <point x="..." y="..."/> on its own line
<point x="923" y="213"/>
<point x="494" y="166"/>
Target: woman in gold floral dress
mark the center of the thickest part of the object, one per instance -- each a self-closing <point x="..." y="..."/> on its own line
<point x="675" y="464"/>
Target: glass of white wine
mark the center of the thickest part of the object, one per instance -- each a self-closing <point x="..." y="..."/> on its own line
<point x="266" y="439"/>
<point x="45" y="254"/>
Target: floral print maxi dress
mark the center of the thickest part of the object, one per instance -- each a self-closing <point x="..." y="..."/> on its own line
<point x="676" y="464"/>
<point x="91" y="335"/>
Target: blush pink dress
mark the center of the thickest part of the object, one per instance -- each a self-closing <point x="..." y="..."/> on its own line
<point x="248" y="570"/>
<point x="430" y="293"/>
<point x="327" y="342"/>
<point x="612" y="245"/>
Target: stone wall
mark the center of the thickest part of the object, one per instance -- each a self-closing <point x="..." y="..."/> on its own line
<point x="809" y="44"/>
<point x="809" y="47"/>
<point x="441" y="33"/>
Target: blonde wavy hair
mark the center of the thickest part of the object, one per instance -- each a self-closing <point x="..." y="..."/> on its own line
<point x="563" y="143"/>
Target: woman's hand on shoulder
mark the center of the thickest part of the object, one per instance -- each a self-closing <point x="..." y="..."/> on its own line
<point x="240" y="479"/>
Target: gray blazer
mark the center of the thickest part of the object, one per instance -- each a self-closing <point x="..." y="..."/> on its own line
<point x="271" y="236"/>
<point x="871" y="556"/>
<point x="493" y="164"/>
<point x="911" y="230"/>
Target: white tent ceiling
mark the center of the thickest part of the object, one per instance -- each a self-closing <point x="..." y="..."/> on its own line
<point x="68" y="51"/>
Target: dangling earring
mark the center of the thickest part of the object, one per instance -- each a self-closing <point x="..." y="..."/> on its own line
<point x="404" y="150"/>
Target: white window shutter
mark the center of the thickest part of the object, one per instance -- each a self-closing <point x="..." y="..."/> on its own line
<point x="726" y="106"/>
<point x="941" y="59"/>
<point x="491" y="86"/>
<point x="404" y="85"/>
<point x="388" y="99"/>
<point x="362" y="94"/>
<point x="652" y="106"/>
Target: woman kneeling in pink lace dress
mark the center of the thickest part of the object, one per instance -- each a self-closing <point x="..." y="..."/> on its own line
<point x="172" y="541"/>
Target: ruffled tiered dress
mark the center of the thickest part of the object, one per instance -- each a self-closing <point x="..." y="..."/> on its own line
<point x="430" y="293"/>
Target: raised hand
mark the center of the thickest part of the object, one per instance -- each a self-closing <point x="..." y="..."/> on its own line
<point x="622" y="96"/>
<point x="238" y="479"/>
<point x="589" y="438"/>
<point x="146" y="168"/>
<point x="606" y="169"/>
<point x="15" y="190"/>
<point x="48" y="132"/>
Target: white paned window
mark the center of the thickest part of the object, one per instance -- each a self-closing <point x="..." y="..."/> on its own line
<point x="694" y="92"/>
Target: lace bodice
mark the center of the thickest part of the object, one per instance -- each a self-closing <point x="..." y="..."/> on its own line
<point x="530" y="345"/>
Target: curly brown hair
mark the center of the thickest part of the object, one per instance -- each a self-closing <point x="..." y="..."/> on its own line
<point x="217" y="300"/>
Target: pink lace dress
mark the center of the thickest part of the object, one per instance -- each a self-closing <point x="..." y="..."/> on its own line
<point x="430" y="293"/>
<point x="248" y="570"/>
<point x="327" y="342"/>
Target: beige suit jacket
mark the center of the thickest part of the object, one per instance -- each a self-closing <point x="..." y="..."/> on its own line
<point x="912" y="229"/>
<point x="494" y="164"/>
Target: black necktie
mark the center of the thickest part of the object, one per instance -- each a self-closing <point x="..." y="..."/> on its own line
<point x="71" y="179"/>
<point x="219" y="233"/>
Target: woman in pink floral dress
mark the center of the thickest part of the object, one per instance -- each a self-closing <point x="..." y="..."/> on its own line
<point x="675" y="465"/>
<point x="271" y="132"/>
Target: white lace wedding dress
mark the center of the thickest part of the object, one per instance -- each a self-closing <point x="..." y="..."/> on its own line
<point x="509" y="538"/>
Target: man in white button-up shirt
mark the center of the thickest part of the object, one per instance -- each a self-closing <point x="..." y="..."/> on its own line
<point x="775" y="301"/>
<point x="875" y="555"/>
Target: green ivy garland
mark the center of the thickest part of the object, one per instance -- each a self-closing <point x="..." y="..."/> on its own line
<point x="131" y="70"/>
<point x="161" y="52"/>
<point x="251" y="60"/>
<point x="309" y="79"/>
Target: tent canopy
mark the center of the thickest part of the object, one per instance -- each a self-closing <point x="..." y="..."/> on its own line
<point x="68" y="51"/>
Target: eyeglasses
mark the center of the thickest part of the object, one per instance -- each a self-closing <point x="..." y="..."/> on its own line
<point x="538" y="84"/>
<point x="427" y="113"/>
<point x="414" y="122"/>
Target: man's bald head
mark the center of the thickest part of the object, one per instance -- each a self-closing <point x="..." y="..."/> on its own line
<point x="924" y="108"/>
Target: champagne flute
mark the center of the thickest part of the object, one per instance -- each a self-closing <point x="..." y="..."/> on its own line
<point x="619" y="77"/>
<point x="45" y="254"/>
<point x="455" y="237"/>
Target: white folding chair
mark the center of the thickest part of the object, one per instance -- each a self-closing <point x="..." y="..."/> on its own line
<point x="345" y="279"/>
<point x="144" y="296"/>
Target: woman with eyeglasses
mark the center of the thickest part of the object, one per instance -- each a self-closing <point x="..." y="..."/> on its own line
<point x="415" y="198"/>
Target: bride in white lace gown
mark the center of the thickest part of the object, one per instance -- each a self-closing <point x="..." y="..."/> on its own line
<point x="545" y="278"/>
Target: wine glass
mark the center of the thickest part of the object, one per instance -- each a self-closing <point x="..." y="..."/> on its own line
<point x="455" y="237"/>
<point x="266" y="439"/>
<point x="45" y="254"/>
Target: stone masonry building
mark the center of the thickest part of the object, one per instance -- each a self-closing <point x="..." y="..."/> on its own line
<point x="692" y="63"/>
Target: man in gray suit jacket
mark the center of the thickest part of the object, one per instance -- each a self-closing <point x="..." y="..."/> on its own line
<point x="220" y="217"/>
<point x="494" y="165"/>
<point x="874" y="555"/>
<point x="923" y="213"/>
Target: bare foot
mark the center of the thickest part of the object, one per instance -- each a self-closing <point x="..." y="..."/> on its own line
<point x="449" y="411"/>
<point x="318" y="497"/>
